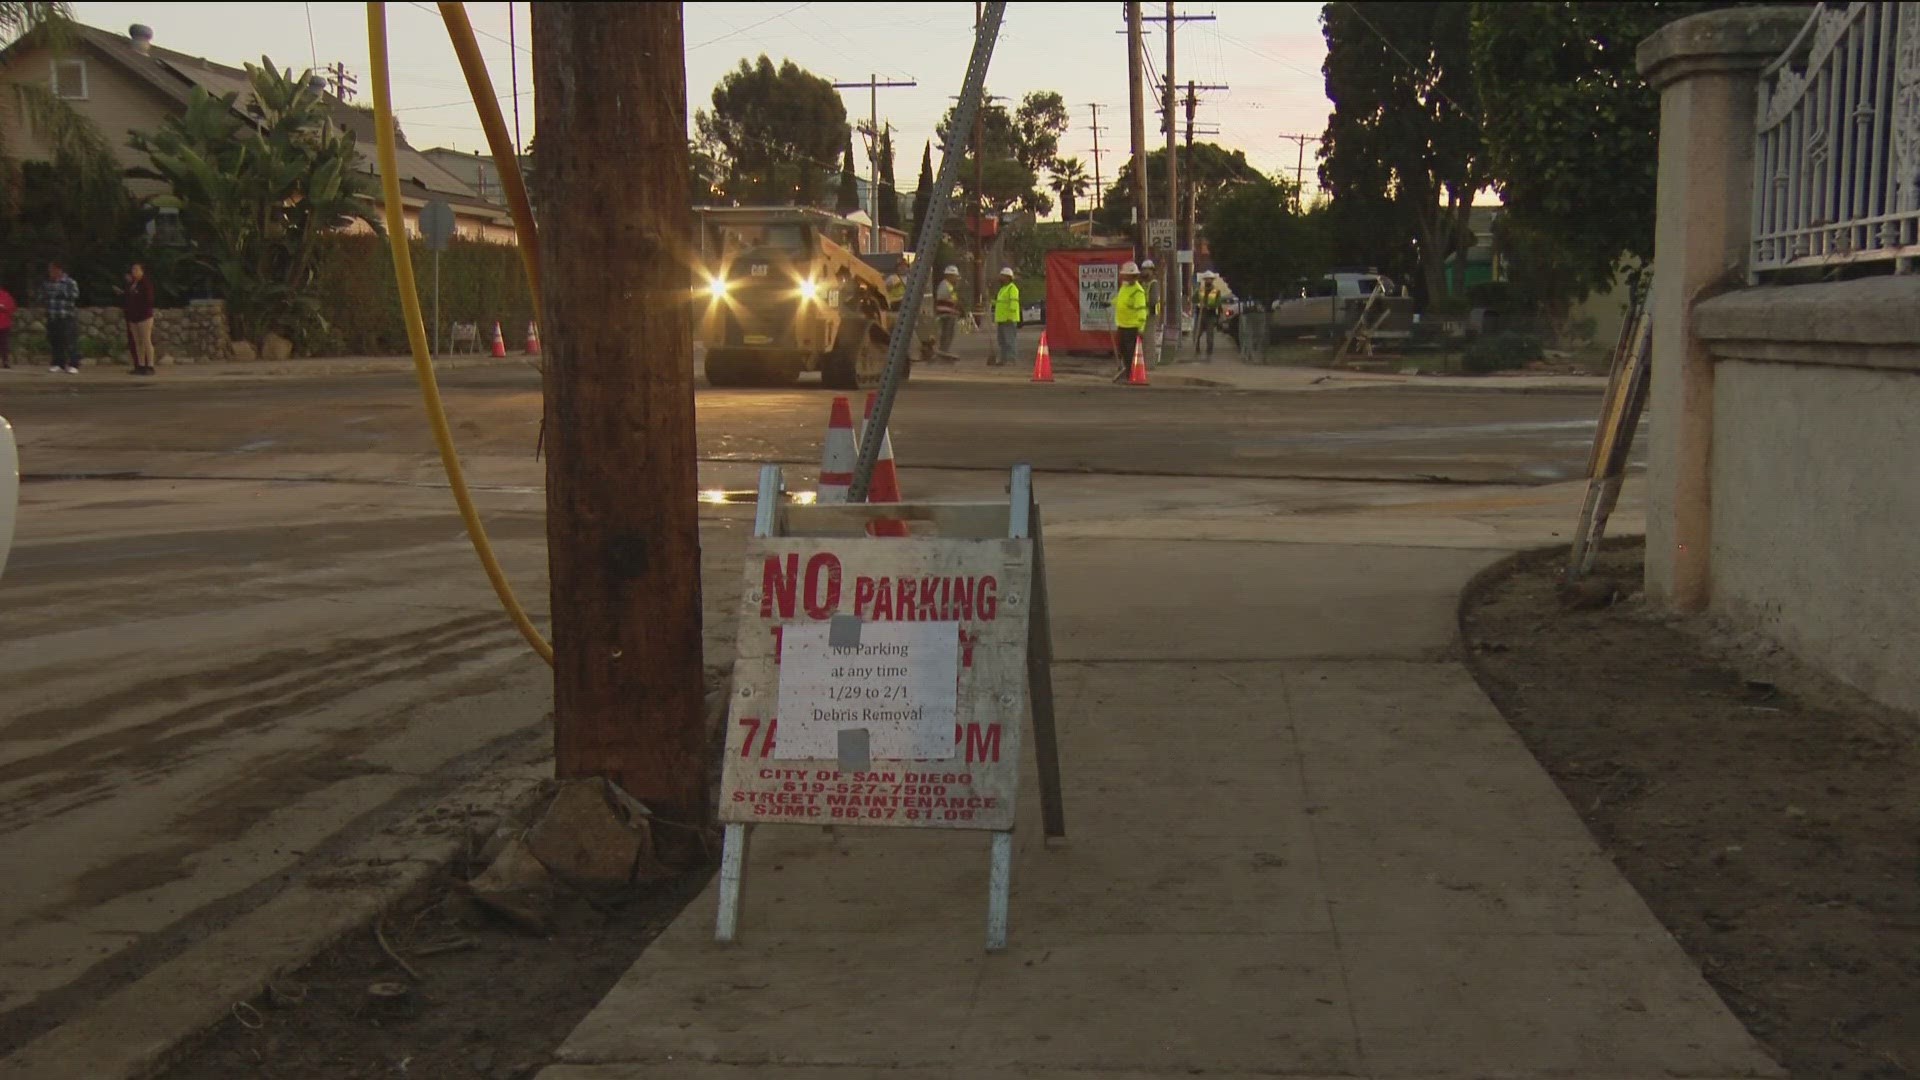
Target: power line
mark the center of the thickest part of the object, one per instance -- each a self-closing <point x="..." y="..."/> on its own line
<point x="744" y="29"/>
<point x="477" y="30"/>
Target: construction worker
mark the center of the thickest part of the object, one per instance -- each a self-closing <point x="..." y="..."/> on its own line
<point x="1207" y="312"/>
<point x="1155" y="316"/>
<point x="946" y="305"/>
<point x="896" y="292"/>
<point x="1129" y="318"/>
<point x="1006" y="319"/>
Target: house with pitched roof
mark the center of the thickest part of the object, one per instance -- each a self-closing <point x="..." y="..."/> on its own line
<point x="124" y="83"/>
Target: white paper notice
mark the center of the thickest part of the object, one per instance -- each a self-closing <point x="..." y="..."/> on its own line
<point x="901" y="683"/>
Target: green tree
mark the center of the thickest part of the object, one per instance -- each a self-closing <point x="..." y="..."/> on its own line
<point x="847" y="200"/>
<point x="889" y="193"/>
<point x="776" y="133"/>
<point x="1259" y="241"/>
<point x="1405" y="126"/>
<point x="1070" y="183"/>
<point x="1572" y="130"/>
<point x="256" y="193"/>
<point x="923" y="194"/>
<point x="1018" y="146"/>
<point x="1210" y="168"/>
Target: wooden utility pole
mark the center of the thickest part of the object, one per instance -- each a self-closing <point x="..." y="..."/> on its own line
<point x="1136" y="101"/>
<point x="1095" y="202"/>
<point x="623" y="537"/>
<point x="873" y="86"/>
<point x="1300" y="168"/>
<point x="1170" y="272"/>
<point x="979" y="195"/>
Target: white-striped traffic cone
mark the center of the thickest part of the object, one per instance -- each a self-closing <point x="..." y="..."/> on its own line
<point x="885" y="487"/>
<point x="837" y="457"/>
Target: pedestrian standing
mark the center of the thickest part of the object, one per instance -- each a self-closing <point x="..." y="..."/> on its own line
<point x="1156" y="316"/>
<point x="1207" y="308"/>
<point x="61" y="295"/>
<point x="1006" y="318"/>
<point x="1129" y="318"/>
<point x="946" y="304"/>
<point x="6" y="328"/>
<point x="137" y="303"/>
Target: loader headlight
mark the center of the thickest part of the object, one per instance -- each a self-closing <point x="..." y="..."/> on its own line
<point x="717" y="287"/>
<point x="809" y="290"/>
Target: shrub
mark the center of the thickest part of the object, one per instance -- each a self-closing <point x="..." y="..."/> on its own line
<point x="1503" y="351"/>
<point x="359" y="302"/>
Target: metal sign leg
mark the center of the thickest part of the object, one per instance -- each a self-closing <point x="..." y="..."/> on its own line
<point x="733" y="864"/>
<point x="999" y="884"/>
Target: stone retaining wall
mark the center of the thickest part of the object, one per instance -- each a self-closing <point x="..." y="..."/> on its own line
<point x="183" y="335"/>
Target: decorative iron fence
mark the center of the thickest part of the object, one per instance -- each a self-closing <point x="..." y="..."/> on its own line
<point x="1837" y="160"/>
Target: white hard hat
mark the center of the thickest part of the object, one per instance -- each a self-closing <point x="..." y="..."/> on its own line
<point x="954" y="270"/>
<point x="907" y="258"/>
<point x="1146" y="264"/>
<point x="1129" y="268"/>
<point x="1006" y="271"/>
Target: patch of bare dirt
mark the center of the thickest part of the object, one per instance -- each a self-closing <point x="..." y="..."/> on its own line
<point x="1767" y="815"/>
<point x="492" y="1001"/>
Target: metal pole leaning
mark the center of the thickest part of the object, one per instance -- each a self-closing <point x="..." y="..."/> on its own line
<point x="924" y="247"/>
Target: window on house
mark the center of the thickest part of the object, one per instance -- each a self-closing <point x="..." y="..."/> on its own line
<point x="69" y="79"/>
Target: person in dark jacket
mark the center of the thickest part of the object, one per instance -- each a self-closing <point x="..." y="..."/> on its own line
<point x="137" y="302"/>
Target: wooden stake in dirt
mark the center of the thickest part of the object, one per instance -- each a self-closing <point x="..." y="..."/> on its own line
<point x="622" y="525"/>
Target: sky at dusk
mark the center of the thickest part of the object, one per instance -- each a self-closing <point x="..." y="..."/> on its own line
<point x="1268" y="54"/>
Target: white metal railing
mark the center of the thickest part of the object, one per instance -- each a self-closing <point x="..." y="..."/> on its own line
<point x="1836" y="170"/>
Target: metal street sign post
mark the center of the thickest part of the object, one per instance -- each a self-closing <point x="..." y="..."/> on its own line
<point x="882" y="682"/>
<point x="436" y="228"/>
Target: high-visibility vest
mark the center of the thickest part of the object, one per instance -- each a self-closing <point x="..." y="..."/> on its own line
<point x="1006" y="304"/>
<point x="1130" y="307"/>
<point x="896" y="291"/>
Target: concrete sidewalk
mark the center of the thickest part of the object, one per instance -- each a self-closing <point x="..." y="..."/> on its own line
<point x="1303" y="843"/>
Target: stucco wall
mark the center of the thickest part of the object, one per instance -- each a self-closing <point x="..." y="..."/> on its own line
<point x="1816" y="506"/>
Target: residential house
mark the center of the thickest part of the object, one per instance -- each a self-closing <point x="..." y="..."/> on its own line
<point x="125" y="83"/>
<point x="477" y="170"/>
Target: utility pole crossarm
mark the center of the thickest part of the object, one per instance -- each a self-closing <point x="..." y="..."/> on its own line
<point x="873" y="86"/>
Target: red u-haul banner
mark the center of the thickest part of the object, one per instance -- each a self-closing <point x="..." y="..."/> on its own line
<point x="1080" y="287"/>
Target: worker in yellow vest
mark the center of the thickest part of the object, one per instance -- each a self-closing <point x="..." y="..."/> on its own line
<point x="1207" y="311"/>
<point x="896" y="292"/>
<point x="1129" y="318"/>
<point x="1006" y="318"/>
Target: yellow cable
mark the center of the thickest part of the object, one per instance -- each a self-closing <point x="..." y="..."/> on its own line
<point x="417" y="331"/>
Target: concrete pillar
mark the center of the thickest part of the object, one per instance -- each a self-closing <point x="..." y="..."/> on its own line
<point x="1706" y="69"/>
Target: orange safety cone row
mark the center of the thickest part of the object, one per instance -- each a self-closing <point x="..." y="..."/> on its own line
<point x="533" y="340"/>
<point x="1137" y="376"/>
<point x="838" y="456"/>
<point x="885" y="487"/>
<point x="1043" y="361"/>
<point x="499" y="343"/>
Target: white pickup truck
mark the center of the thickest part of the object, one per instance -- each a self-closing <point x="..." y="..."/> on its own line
<point x="1330" y="304"/>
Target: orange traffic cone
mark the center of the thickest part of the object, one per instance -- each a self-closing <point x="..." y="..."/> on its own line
<point x="499" y="343"/>
<point x="885" y="487"/>
<point x="1043" y="361"/>
<point x="1137" y="376"/>
<point x="533" y="340"/>
<point x="838" y="456"/>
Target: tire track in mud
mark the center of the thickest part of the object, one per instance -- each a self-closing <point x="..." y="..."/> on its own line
<point x="98" y="766"/>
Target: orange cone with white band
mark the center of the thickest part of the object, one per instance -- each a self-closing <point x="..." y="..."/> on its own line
<point x="838" y="456"/>
<point x="885" y="487"/>
<point x="533" y="340"/>
<point x="499" y="343"/>
<point x="1043" y="361"/>
<point x="1137" y="375"/>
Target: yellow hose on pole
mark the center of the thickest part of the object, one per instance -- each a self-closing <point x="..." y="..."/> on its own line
<point x="506" y="156"/>
<point x="417" y="331"/>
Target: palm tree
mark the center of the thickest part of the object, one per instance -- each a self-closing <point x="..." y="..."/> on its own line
<point x="1070" y="183"/>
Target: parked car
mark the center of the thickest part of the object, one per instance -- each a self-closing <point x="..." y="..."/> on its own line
<point x="1332" y="304"/>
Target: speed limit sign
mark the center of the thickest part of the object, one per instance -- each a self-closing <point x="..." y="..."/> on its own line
<point x="1160" y="234"/>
